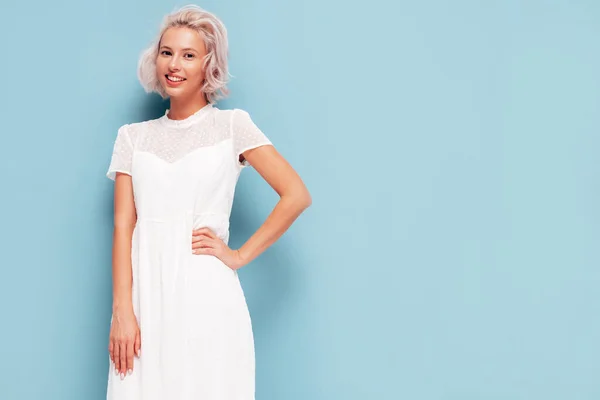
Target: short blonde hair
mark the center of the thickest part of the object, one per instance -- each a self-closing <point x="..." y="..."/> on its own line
<point x="214" y="33"/>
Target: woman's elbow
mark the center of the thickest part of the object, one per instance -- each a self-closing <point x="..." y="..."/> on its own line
<point x="303" y="199"/>
<point x="307" y="200"/>
<point x="297" y="195"/>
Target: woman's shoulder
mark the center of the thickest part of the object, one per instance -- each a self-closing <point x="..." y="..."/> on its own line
<point x="128" y="133"/>
<point x="234" y="116"/>
<point x="223" y="113"/>
<point x="133" y="128"/>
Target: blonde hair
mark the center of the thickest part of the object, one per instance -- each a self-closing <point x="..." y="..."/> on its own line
<point x="215" y="63"/>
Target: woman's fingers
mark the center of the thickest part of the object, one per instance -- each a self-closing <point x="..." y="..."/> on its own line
<point x="204" y="242"/>
<point x="110" y="350"/>
<point x="121" y="353"/>
<point x="205" y="246"/>
<point x="116" y="358"/>
<point x="196" y="240"/>
<point x="130" y="344"/>
<point x="138" y="343"/>
<point x="123" y="358"/>
<point x="206" y="251"/>
<point x="203" y="232"/>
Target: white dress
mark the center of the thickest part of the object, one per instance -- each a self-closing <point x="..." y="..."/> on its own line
<point x="196" y="333"/>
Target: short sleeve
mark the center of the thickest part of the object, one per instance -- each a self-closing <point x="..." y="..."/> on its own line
<point x="122" y="154"/>
<point x="246" y="135"/>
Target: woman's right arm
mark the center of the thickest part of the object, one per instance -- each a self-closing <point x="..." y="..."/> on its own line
<point x="124" y="335"/>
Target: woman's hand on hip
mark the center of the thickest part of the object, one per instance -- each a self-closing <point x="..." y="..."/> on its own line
<point x="124" y="341"/>
<point x="205" y="241"/>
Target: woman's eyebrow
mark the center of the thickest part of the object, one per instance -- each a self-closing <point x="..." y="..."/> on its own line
<point x="186" y="49"/>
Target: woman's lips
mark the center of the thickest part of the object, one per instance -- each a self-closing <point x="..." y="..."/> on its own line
<point x="174" y="83"/>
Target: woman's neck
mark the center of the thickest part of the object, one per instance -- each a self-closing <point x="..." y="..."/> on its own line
<point x="183" y="108"/>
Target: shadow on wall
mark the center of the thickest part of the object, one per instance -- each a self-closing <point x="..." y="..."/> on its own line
<point x="151" y="107"/>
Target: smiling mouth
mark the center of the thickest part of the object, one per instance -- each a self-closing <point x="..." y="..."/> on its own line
<point x="174" y="78"/>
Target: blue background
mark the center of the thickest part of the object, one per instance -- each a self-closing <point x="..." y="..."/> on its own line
<point x="451" y="149"/>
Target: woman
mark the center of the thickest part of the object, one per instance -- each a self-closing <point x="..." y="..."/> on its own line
<point x="180" y="326"/>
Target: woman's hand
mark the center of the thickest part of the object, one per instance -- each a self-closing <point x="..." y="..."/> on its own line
<point x="205" y="241"/>
<point x="124" y="341"/>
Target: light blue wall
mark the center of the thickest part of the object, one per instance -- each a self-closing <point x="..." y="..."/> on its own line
<point x="451" y="148"/>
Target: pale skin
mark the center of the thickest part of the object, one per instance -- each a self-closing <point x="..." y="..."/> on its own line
<point x="181" y="51"/>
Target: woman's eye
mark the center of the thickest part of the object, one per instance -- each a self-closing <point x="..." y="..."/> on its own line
<point x="190" y="55"/>
<point x="165" y="53"/>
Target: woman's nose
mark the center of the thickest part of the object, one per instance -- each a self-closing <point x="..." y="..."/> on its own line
<point x="174" y="65"/>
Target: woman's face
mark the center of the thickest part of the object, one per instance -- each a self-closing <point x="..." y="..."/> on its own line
<point x="179" y="63"/>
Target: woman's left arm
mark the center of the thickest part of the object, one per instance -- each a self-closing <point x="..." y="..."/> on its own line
<point x="294" y="198"/>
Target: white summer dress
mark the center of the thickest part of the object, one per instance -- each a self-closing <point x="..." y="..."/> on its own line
<point x="196" y="333"/>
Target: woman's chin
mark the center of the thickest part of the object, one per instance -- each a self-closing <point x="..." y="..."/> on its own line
<point x="171" y="91"/>
<point x="178" y="92"/>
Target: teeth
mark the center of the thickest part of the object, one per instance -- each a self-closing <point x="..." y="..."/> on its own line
<point x="174" y="79"/>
